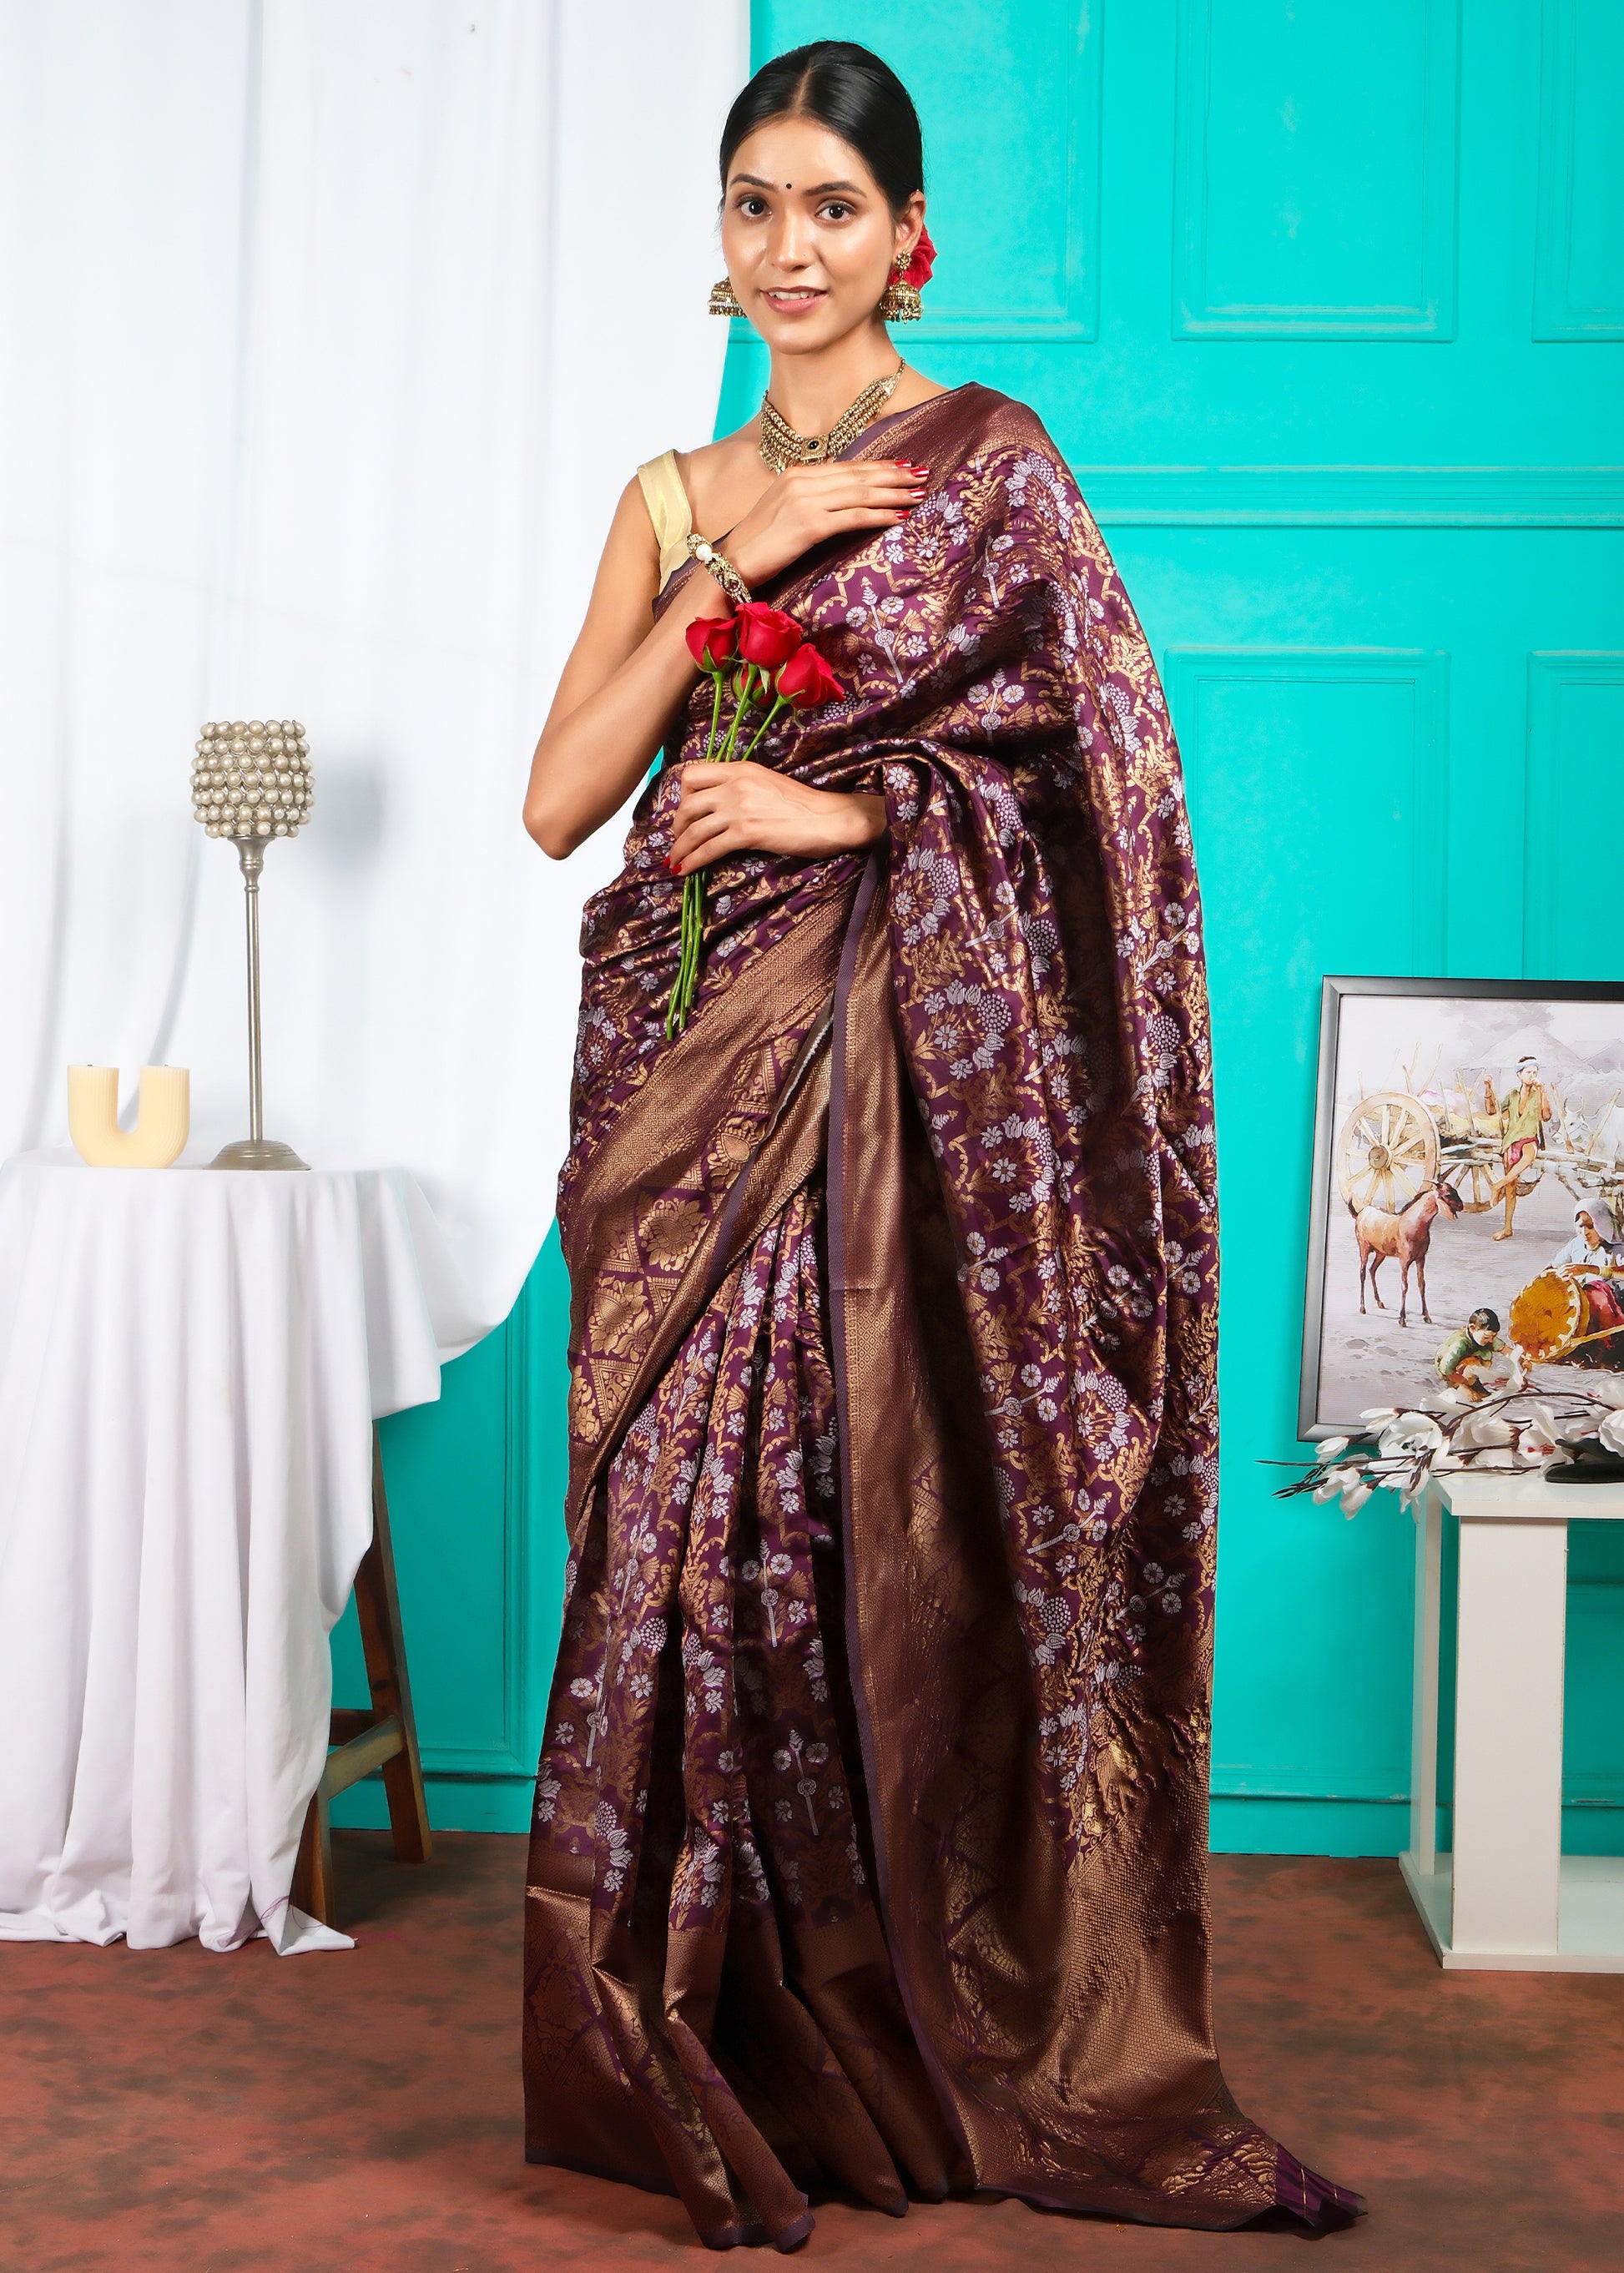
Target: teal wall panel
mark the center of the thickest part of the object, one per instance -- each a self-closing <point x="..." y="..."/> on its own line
<point x="1579" y="262"/>
<point x="1314" y="168"/>
<point x="1269" y="736"/>
<point x="1575" y="738"/>
<point x="1036" y="275"/>
<point x="1325" y="307"/>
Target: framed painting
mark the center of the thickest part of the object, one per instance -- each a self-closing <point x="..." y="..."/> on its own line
<point x="1468" y="1188"/>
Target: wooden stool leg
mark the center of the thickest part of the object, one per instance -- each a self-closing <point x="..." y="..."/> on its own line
<point x="385" y="1737"/>
<point x="312" y="1891"/>
<point x="378" y="1606"/>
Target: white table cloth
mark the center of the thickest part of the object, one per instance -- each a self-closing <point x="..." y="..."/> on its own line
<point x="191" y="1360"/>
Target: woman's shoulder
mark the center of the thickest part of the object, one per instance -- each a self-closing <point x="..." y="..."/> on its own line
<point x="1008" y="420"/>
<point x="666" y="507"/>
<point x="707" y="459"/>
<point x="698" y="467"/>
<point x="979" y="421"/>
<point x="658" y="479"/>
<point x="712" y="473"/>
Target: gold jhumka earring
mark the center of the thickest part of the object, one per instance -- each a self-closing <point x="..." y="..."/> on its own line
<point x="724" y="300"/>
<point x="899" y="303"/>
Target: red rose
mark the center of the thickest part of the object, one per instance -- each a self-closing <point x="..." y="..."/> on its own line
<point x="712" y="639"/>
<point x="805" y="680"/>
<point x="767" y="635"/>
<point x="923" y="262"/>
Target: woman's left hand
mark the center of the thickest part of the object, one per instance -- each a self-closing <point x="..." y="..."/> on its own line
<point x="740" y="807"/>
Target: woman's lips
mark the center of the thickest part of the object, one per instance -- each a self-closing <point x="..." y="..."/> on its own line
<point x="793" y="304"/>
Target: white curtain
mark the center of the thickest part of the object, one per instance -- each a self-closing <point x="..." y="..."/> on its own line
<point x="330" y="332"/>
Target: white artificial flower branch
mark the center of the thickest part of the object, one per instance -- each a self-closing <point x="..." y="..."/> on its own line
<point x="1508" y="1426"/>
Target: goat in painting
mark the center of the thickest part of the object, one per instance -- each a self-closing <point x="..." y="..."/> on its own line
<point x="1405" y="1237"/>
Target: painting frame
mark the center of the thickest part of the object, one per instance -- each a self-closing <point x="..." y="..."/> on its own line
<point x="1335" y="989"/>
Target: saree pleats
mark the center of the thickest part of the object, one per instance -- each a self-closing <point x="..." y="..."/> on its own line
<point x="694" y="1738"/>
<point x="869" y="1838"/>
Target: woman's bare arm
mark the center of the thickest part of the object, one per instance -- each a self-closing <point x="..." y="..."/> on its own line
<point x="627" y="674"/>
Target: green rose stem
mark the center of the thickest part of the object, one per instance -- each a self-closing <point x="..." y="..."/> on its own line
<point x="779" y="702"/>
<point x="692" y="913"/>
<point x="691" y="935"/>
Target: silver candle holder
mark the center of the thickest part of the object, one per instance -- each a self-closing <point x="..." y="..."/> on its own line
<point x="252" y="784"/>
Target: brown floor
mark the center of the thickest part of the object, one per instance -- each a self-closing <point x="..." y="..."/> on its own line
<point x="352" y="2114"/>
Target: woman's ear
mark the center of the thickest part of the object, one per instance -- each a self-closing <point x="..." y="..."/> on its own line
<point x="910" y="222"/>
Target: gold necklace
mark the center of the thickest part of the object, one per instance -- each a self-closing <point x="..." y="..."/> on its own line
<point x="781" y="446"/>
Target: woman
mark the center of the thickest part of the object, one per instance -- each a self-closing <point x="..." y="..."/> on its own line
<point x="869" y="1833"/>
<point x="1594" y="1256"/>
<point x="1594" y="1245"/>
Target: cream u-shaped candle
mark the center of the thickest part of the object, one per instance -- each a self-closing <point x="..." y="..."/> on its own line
<point x="161" y="1124"/>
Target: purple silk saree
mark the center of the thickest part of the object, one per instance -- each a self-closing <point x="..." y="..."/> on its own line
<point x="869" y="1837"/>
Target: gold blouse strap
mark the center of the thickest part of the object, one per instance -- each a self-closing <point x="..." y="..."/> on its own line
<point x="668" y="509"/>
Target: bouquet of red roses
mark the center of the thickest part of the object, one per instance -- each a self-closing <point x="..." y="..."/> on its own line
<point x="763" y="659"/>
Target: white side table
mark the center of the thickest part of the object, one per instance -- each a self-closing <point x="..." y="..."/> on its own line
<point x="1507" y="1899"/>
<point x="190" y="1365"/>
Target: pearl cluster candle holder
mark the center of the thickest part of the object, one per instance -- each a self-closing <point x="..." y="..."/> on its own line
<point x="253" y="780"/>
<point x="252" y="783"/>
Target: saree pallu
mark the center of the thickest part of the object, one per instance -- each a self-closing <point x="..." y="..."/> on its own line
<point x="870" y="1839"/>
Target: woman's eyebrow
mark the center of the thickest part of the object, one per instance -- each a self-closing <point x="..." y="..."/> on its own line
<point x="817" y="190"/>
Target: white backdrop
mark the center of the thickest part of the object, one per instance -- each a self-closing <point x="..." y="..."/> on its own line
<point x="328" y="336"/>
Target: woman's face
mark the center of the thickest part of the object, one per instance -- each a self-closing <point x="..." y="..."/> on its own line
<point x="1592" y="1237"/>
<point x="807" y="236"/>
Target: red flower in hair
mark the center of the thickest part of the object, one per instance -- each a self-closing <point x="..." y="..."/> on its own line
<point x="920" y="268"/>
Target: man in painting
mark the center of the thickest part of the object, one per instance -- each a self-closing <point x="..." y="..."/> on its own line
<point x="1461" y="1358"/>
<point x="1522" y="1116"/>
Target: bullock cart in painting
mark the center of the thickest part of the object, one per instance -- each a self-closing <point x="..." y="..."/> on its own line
<point x="1394" y="1142"/>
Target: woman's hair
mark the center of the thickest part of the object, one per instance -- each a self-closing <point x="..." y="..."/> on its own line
<point x="847" y="89"/>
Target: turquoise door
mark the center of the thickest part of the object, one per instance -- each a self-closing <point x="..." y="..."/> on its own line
<point x="1326" y="307"/>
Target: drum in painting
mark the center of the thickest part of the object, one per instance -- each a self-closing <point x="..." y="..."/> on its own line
<point x="1549" y="1317"/>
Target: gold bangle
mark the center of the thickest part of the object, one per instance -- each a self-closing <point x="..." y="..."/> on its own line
<point x="720" y="567"/>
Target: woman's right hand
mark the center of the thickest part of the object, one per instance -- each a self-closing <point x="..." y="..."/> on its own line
<point x="806" y="504"/>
